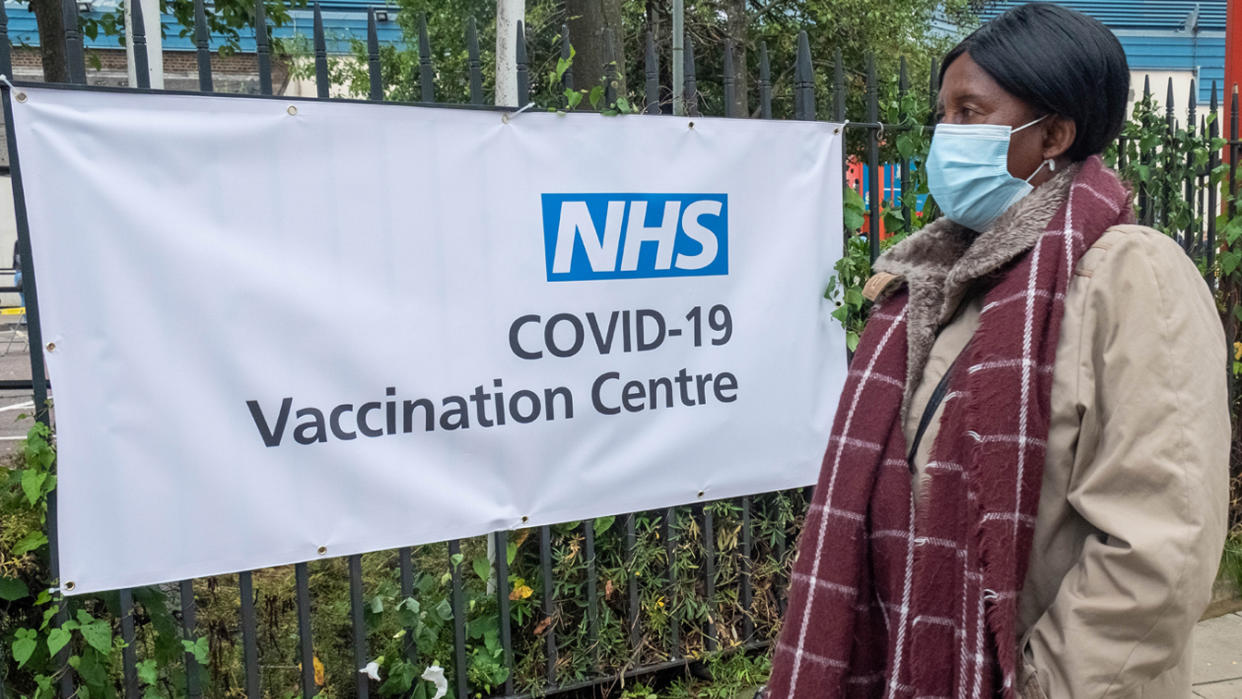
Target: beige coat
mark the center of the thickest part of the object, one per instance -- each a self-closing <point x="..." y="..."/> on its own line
<point x="1132" y="514"/>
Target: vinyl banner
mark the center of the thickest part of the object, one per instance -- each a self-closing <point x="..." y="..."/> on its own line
<point x="280" y="330"/>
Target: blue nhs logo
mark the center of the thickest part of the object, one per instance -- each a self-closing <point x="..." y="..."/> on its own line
<point x="635" y="236"/>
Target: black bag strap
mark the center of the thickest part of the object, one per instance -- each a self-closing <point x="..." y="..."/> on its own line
<point x="933" y="403"/>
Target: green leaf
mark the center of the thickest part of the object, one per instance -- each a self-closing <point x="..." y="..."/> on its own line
<point x="147" y="671"/>
<point x="377" y="604"/>
<point x="841" y="313"/>
<point x="482" y="568"/>
<point x="400" y="678"/>
<point x="198" y="649"/>
<point x="98" y="635"/>
<point x="92" y="670"/>
<point x="1229" y="261"/>
<point x="854" y="297"/>
<point x="456" y="559"/>
<point x="851" y="340"/>
<point x="24" y="644"/>
<point x="573" y="98"/>
<point x="13" y="589"/>
<point x="32" y="484"/>
<point x="510" y="553"/>
<point x="444" y="610"/>
<point x="57" y="639"/>
<point x="603" y="524"/>
<point x="623" y="105"/>
<point x="30" y="542"/>
<point x="596" y="96"/>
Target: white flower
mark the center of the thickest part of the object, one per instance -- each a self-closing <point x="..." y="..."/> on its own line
<point x="371" y="670"/>
<point x="435" y="675"/>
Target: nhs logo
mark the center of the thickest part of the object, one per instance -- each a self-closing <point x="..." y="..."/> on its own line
<point x="635" y="236"/>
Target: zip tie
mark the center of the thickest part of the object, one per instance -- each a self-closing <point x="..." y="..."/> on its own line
<point x="509" y="115"/>
<point x="5" y="79"/>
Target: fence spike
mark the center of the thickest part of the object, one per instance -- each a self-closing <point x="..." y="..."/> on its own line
<point x="873" y="160"/>
<point x="306" y="645"/>
<point x="362" y="684"/>
<point x="426" y="76"/>
<point x="74" y="54"/>
<point x="730" y="80"/>
<point x="933" y="89"/>
<point x="1192" y="107"/>
<point x="691" y="81"/>
<point x="804" y="80"/>
<point x="765" y="82"/>
<point x="838" y="87"/>
<point x="1169" y="105"/>
<point x="202" y="38"/>
<point x="373" y="58"/>
<point x="476" y="70"/>
<point x="6" y="57"/>
<point x="611" y="79"/>
<point x="261" y="48"/>
<point x="142" y="67"/>
<point x="322" y="85"/>
<point x="523" y="67"/>
<point x="1213" y="161"/>
<point x="651" y="66"/>
<point x="1146" y="86"/>
<point x="567" y="53"/>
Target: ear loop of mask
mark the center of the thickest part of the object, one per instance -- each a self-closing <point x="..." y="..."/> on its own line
<point x="1052" y="165"/>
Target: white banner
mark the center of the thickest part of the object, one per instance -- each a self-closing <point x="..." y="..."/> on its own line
<point x="283" y="330"/>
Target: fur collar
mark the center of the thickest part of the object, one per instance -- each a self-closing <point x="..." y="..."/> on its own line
<point x="944" y="261"/>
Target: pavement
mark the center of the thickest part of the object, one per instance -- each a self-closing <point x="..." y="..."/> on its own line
<point x="15" y="406"/>
<point x="1217" y="670"/>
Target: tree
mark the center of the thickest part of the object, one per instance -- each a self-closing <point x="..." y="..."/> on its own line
<point x="591" y="22"/>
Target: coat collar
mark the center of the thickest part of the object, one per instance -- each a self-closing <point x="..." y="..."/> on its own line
<point x="944" y="261"/>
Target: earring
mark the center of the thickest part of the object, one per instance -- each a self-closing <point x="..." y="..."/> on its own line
<point x="1052" y="165"/>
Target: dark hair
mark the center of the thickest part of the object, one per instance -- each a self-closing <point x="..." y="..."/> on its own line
<point x="1059" y="61"/>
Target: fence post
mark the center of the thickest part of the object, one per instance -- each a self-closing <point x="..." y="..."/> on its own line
<point x="1210" y="213"/>
<point x="306" y="644"/>
<point x="1191" y="117"/>
<point x="567" y="53"/>
<point x="202" y="37"/>
<point x="651" y="67"/>
<point x="373" y="59"/>
<point x="459" y="620"/>
<point x="75" y="57"/>
<point x="1168" y="155"/>
<point x="804" y="81"/>
<point x="765" y="82"/>
<point x="138" y="33"/>
<point x="730" y="93"/>
<point x="907" y="211"/>
<point x="1146" y="206"/>
<point x="362" y="686"/>
<point x="691" y="98"/>
<point x="476" y="69"/>
<point x="322" y="84"/>
<point x="426" y="76"/>
<point x="873" y="159"/>
<point x="549" y="602"/>
<point x="250" y="649"/>
<point x="261" y="48"/>
<point x="502" y="566"/>
<point x="610" y="68"/>
<point x="523" y="69"/>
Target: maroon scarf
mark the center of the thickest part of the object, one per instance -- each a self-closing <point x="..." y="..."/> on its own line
<point x="887" y="604"/>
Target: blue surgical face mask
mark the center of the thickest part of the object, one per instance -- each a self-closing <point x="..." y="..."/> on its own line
<point x="968" y="172"/>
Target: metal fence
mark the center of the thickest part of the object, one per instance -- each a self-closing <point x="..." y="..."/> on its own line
<point x="617" y="599"/>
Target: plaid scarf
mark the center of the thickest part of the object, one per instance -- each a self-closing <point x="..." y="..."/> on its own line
<point x="887" y="602"/>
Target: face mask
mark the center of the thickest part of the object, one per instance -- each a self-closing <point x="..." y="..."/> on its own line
<point x="968" y="172"/>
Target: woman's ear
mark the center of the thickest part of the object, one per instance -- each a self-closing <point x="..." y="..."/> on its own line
<point x="1059" y="136"/>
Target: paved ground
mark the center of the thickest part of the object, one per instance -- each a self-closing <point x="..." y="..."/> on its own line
<point x="14" y="364"/>
<point x="1218" y="658"/>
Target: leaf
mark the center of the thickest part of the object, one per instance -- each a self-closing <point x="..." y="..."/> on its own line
<point x="98" y="635"/>
<point x="13" y="589"/>
<point x="596" y="96"/>
<point x="377" y="604"/>
<point x="24" y="645"/>
<point x="320" y="673"/>
<point x="482" y="568"/>
<point x="32" y="484"/>
<point x="851" y="340"/>
<point x="623" y="105"/>
<point x="456" y="559"/>
<point x="444" y="610"/>
<point x="573" y="98"/>
<point x="603" y="524"/>
<point x="510" y="553"/>
<point x="854" y="297"/>
<point x="30" y="542"/>
<point x="57" y="639"/>
<point x="92" y="670"/>
<point x="147" y="671"/>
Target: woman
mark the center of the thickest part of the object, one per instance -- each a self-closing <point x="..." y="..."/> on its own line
<point x="1025" y="489"/>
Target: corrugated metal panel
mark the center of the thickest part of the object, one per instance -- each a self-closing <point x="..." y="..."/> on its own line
<point x="1136" y="14"/>
<point x="341" y="25"/>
